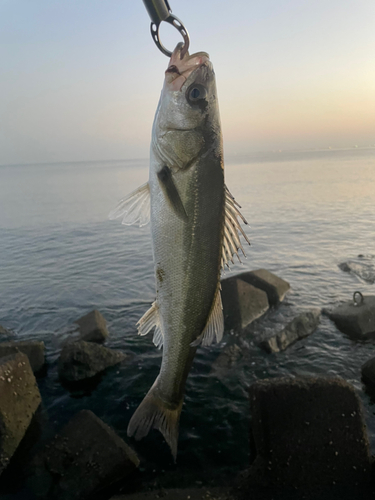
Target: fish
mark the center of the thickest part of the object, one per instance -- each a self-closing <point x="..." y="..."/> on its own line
<point x="195" y="229"/>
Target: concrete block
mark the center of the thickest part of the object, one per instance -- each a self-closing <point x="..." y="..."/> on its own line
<point x="33" y="349"/>
<point x="275" y="287"/>
<point x="92" y="327"/>
<point x="308" y="431"/>
<point x="82" y="360"/>
<point x="355" y="318"/>
<point x="300" y="327"/>
<point x="84" y="459"/>
<point x="19" y="400"/>
<point x="242" y="303"/>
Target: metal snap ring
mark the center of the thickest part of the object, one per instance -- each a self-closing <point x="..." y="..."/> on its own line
<point x="356" y="301"/>
<point x="174" y="21"/>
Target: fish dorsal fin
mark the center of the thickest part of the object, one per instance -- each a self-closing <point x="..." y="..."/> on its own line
<point x="150" y="320"/>
<point x="232" y="230"/>
<point x="214" y="328"/>
<point x="134" y="208"/>
<point x="171" y="192"/>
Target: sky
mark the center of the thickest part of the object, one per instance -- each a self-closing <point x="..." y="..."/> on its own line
<point x="80" y="79"/>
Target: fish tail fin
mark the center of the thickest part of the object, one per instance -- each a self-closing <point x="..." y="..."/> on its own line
<point x="153" y="413"/>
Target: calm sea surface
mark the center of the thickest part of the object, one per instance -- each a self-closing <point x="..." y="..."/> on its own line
<point x="60" y="257"/>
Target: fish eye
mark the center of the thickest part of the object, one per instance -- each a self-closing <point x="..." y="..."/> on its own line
<point x="196" y="92"/>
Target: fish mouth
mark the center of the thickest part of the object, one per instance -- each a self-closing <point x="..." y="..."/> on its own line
<point x="180" y="70"/>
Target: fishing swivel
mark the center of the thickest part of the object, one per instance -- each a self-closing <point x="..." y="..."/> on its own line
<point x="159" y="11"/>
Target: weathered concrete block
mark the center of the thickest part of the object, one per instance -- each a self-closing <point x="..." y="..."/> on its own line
<point x="357" y="320"/>
<point x="83" y="459"/>
<point x="92" y="327"/>
<point x="81" y="360"/>
<point x="363" y="271"/>
<point x="228" y="357"/>
<point x="300" y="327"/>
<point x="242" y="303"/>
<point x="19" y="399"/>
<point x="368" y="372"/>
<point x="34" y="350"/>
<point x="275" y="287"/>
<point x="308" y="431"/>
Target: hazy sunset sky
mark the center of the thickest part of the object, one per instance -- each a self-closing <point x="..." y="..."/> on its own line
<point x="80" y="79"/>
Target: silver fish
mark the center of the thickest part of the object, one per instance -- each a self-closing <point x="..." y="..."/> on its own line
<point x="195" y="233"/>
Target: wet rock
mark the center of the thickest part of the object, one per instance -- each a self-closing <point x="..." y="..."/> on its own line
<point x="19" y="401"/>
<point x="92" y="327"/>
<point x="33" y="349"/>
<point x="363" y="271"/>
<point x="85" y="458"/>
<point x="300" y="327"/>
<point x="3" y="331"/>
<point x="275" y="287"/>
<point x="242" y="303"/>
<point x="307" y="431"/>
<point x="357" y="319"/>
<point x="228" y="357"/>
<point x="368" y="372"/>
<point x="82" y="360"/>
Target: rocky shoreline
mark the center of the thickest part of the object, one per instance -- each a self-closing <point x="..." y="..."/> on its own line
<point x="307" y="434"/>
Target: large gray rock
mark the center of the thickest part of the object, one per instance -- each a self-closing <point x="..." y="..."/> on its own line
<point x="242" y="303"/>
<point x="355" y="319"/>
<point x="33" y="349"/>
<point x="83" y="459"/>
<point x="368" y="372"/>
<point x="360" y="269"/>
<point x="300" y="327"/>
<point x="82" y="360"/>
<point x="92" y="327"/>
<point x="275" y="287"/>
<point x="308" y="431"/>
<point x="19" y="400"/>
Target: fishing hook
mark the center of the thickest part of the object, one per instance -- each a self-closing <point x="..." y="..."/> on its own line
<point x="159" y="11"/>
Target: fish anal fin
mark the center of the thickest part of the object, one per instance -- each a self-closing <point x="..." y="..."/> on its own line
<point x="153" y="413"/>
<point x="134" y="208"/>
<point x="150" y="320"/>
<point x="171" y="192"/>
<point x="214" y="328"/>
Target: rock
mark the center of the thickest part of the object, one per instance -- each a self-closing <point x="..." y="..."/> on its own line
<point x="229" y="356"/>
<point x="355" y="319"/>
<point x="92" y="327"/>
<point x="368" y="372"/>
<point x="19" y="401"/>
<point x="33" y="349"/>
<point x="242" y="303"/>
<point x="84" y="458"/>
<point x="180" y="494"/>
<point x="275" y="287"/>
<point x="363" y="271"/>
<point x="82" y="360"/>
<point x="300" y="327"/>
<point x="3" y="331"/>
<point x="308" y="431"/>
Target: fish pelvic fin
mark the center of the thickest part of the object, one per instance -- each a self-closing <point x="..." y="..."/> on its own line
<point x="153" y="413"/>
<point x="149" y="320"/>
<point x="134" y="208"/>
<point x="232" y="231"/>
<point x="214" y="328"/>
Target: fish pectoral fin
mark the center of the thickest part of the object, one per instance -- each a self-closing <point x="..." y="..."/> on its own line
<point x="214" y="328"/>
<point x="134" y="208"/>
<point x="232" y="230"/>
<point x="150" y="320"/>
<point x="171" y="192"/>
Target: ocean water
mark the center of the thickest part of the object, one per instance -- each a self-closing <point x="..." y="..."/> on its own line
<point x="60" y="257"/>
